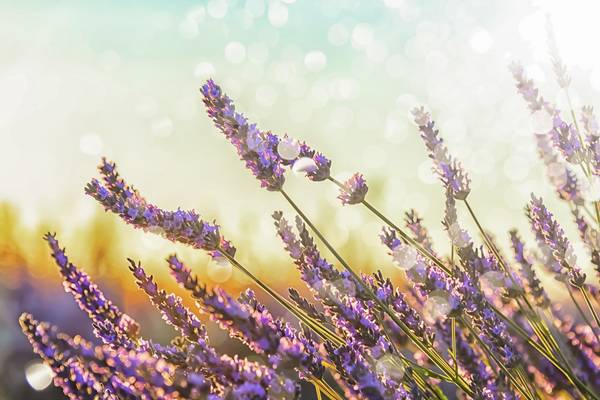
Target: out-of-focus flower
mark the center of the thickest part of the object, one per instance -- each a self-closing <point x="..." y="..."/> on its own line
<point x="561" y="176"/>
<point x="528" y="91"/>
<point x="354" y="190"/>
<point x="567" y="140"/>
<point x="449" y="170"/>
<point x="534" y="286"/>
<point x="545" y="226"/>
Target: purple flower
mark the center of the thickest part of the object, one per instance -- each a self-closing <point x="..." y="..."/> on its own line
<point x="371" y="379"/>
<point x="250" y="380"/>
<point x="136" y="372"/>
<point x="110" y="324"/>
<point x="260" y="150"/>
<point x="354" y="190"/>
<point x="345" y="302"/>
<point x="567" y="140"/>
<point x="528" y="91"/>
<point x="561" y="176"/>
<point x="590" y="124"/>
<point x="420" y="233"/>
<point x="178" y="226"/>
<point x="546" y="228"/>
<point x="448" y="169"/>
<point x="251" y="323"/>
<point x="534" y="286"/>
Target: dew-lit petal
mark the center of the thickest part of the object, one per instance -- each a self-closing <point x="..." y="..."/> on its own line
<point x="304" y="164"/>
<point x="405" y="256"/>
<point x="288" y="148"/>
<point x="38" y="375"/>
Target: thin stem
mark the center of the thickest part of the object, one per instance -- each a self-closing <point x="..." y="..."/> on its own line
<point x="580" y="310"/>
<point x="426" y="253"/>
<point x="315" y="326"/>
<point x="490" y="354"/>
<point x="454" y="356"/>
<point x="569" y="374"/>
<point x="426" y="348"/>
<point x="318" y="392"/>
<point x="592" y="311"/>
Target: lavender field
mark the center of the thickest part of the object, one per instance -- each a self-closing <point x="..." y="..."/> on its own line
<point x="461" y="259"/>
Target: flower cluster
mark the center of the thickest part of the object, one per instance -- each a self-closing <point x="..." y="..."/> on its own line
<point x="470" y="323"/>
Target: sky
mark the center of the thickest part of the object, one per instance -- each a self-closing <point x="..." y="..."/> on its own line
<point x="82" y="80"/>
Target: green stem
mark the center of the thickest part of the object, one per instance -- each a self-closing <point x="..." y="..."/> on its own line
<point x="426" y="253"/>
<point x="491" y="355"/>
<point x="433" y="355"/>
<point x="315" y="326"/>
<point x="592" y="311"/>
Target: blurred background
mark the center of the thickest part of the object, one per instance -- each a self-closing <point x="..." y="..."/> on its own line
<point x="81" y="80"/>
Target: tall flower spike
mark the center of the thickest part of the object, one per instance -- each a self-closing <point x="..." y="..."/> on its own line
<point x="567" y="140"/>
<point x="560" y="69"/>
<point x="365" y="378"/>
<point x="260" y="150"/>
<point x="590" y="124"/>
<point x="147" y="376"/>
<point x="534" y="286"/>
<point x="528" y="91"/>
<point x="244" y="379"/>
<point x="414" y="222"/>
<point x="449" y="170"/>
<point x="545" y="226"/>
<point x="69" y="374"/>
<point x="110" y="324"/>
<point x="561" y="176"/>
<point x="354" y="190"/>
<point x="345" y="303"/>
<point x="254" y="326"/>
<point x="178" y="226"/>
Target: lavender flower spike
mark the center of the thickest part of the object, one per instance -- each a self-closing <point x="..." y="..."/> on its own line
<point x="534" y="286"/>
<point x="448" y="169"/>
<point x="69" y="374"/>
<point x="528" y="91"/>
<point x="260" y="150"/>
<point x="178" y="226"/>
<point x="110" y="324"/>
<point x="252" y="324"/>
<point x="354" y="190"/>
<point x="244" y="379"/>
<point x="567" y="140"/>
<point x="545" y="226"/>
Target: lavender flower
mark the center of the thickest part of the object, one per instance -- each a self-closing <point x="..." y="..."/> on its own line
<point x="590" y="124"/>
<point x="253" y="325"/>
<point x="179" y="226"/>
<point x="354" y="190"/>
<point x="414" y="223"/>
<point x="110" y="324"/>
<point x="240" y="377"/>
<point x="363" y="378"/>
<point x="259" y="150"/>
<point x="534" y="286"/>
<point x="545" y="226"/>
<point x="69" y="373"/>
<point x="145" y="375"/>
<point x="560" y="69"/>
<point x="528" y="91"/>
<point x="561" y="176"/>
<point x="567" y="140"/>
<point x="448" y="169"/>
